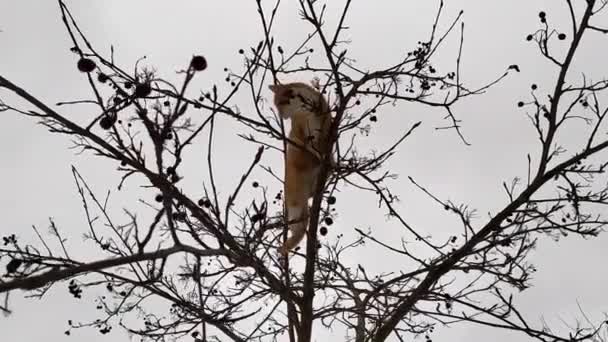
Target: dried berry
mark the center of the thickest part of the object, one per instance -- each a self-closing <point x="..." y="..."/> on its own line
<point x="331" y="200"/>
<point x="107" y="121"/>
<point x="13" y="265"/>
<point x="198" y="63"/>
<point x="86" y="65"/>
<point x="179" y="216"/>
<point x="102" y="78"/>
<point x="323" y="231"/>
<point x="142" y="90"/>
<point x="204" y="202"/>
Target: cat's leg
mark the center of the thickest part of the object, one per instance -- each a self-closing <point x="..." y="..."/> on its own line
<point x="297" y="192"/>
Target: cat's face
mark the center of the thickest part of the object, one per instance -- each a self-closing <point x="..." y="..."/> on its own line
<point x="295" y="98"/>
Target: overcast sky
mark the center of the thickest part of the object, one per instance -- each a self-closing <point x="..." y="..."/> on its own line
<point x="35" y="171"/>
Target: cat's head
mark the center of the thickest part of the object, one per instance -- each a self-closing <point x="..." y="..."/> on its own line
<point x="297" y="98"/>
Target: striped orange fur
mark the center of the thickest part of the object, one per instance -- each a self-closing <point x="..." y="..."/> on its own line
<point x="310" y="119"/>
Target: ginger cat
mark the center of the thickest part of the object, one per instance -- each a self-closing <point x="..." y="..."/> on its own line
<point x="310" y="121"/>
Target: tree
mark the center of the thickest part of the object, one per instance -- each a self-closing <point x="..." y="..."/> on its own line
<point x="212" y="258"/>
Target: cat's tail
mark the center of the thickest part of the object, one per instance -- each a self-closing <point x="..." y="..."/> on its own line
<point x="297" y="229"/>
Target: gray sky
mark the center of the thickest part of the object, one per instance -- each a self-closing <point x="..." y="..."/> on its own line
<point x="37" y="181"/>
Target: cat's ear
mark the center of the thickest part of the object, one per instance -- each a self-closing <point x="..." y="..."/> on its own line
<point x="274" y="87"/>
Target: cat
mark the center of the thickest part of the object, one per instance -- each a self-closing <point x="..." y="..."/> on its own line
<point x="310" y="119"/>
